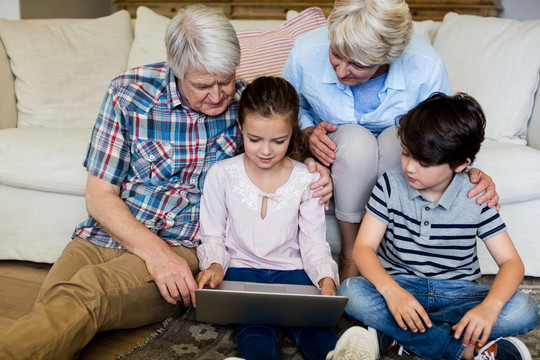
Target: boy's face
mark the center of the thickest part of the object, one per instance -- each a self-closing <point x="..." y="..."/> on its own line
<point x="430" y="180"/>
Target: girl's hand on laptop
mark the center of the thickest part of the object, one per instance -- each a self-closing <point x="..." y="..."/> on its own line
<point x="328" y="286"/>
<point x="212" y="276"/>
<point x="407" y="311"/>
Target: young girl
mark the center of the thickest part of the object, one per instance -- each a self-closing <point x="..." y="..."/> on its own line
<point x="259" y="222"/>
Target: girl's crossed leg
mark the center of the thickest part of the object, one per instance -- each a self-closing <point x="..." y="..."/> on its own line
<point x="260" y="341"/>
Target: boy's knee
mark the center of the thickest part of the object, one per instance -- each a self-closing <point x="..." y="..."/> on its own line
<point x="521" y="310"/>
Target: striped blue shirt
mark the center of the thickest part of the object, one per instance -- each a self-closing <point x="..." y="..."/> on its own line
<point x="158" y="151"/>
<point x="431" y="239"/>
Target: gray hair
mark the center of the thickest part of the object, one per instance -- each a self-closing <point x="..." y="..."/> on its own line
<point x="202" y="39"/>
<point x="370" y="32"/>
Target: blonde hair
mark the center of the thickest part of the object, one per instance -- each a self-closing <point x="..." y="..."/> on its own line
<point x="200" y="38"/>
<point x="370" y="32"/>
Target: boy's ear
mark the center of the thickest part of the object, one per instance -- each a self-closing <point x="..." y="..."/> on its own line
<point x="239" y="125"/>
<point x="463" y="166"/>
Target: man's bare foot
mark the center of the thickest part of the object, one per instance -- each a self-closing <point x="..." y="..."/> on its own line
<point x="347" y="268"/>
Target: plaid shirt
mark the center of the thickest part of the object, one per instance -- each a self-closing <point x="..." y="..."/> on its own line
<point x="158" y="151"/>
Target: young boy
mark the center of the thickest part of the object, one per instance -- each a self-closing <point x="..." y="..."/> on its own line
<point x="416" y="250"/>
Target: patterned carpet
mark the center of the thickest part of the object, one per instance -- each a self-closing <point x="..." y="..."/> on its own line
<point x="184" y="338"/>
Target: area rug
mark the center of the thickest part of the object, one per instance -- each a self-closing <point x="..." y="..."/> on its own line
<point x="183" y="337"/>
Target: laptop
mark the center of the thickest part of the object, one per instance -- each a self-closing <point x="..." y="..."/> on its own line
<point x="238" y="302"/>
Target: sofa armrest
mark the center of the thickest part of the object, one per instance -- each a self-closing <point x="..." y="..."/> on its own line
<point x="8" y="102"/>
<point x="533" y="132"/>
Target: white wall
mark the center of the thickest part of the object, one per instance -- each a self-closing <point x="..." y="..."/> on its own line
<point x="521" y="9"/>
<point x="9" y="9"/>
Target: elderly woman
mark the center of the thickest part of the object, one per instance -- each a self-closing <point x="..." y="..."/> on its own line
<point x="354" y="78"/>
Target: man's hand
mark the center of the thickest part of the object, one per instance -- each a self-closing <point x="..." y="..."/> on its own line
<point x="483" y="182"/>
<point x="172" y="276"/>
<point x="170" y="272"/>
<point x="324" y="184"/>
<point x="212" y="276"/>
<point x="319" y="143"/>
<point x="328" y="286"/>
<point x="475" y="323"/>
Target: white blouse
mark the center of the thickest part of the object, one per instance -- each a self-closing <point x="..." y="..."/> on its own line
<point x="291" y="236"/>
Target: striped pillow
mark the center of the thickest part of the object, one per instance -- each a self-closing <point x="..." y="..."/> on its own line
<point x="265" y="52"/>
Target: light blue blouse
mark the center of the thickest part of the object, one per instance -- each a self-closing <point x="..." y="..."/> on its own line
<point x="410" y="80"/>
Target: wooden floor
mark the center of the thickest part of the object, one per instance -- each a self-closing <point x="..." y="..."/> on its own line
<point x="19" y="286"/>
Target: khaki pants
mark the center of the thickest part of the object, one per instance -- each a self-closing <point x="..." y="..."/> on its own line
<point x="88" y="289"/>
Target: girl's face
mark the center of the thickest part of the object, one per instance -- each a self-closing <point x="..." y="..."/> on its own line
<point x="266" y="139"/>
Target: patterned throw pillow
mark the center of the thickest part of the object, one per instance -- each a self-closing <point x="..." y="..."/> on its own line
<point x="265" y="52"/>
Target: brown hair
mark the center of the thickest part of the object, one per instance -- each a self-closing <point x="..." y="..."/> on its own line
<point x="267" y="96"/>
<point x="443" y="129"/>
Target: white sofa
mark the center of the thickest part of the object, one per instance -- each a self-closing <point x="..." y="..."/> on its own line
<point x="54" y="73"/>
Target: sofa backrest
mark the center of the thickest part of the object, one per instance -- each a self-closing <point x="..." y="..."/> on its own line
<point x="498" y="62"/>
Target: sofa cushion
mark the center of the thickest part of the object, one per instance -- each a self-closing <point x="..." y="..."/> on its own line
<point x="498" y="62"/>
<point x="62" y="68"/>
<point x="149" y="41"/>
<point x="44" y="159"/>
<point x="264" y="52"/>
<point x="515" y="169"/>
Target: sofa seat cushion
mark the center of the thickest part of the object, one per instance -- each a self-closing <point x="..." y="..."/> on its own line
<point x="44" y="159"/>
<point x="62" y="68"/>
<point x="515" y="169"/>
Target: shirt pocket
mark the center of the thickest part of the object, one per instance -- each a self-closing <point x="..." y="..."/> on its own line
<point x="153" y="161"/>
<point x="224" y="147"/>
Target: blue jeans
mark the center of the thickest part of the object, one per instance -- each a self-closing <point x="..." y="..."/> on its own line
<point x="259" y="341"/>
<point x="445" y="301"/>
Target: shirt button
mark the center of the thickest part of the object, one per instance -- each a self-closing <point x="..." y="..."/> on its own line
<point x="427" y="208"/>
<point x="170" y="216"/>
<point x="192" y="181"/>
<point x="152" y="157"/>
<point x="426" y="223"/>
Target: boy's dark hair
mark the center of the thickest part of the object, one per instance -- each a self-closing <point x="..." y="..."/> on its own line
<point x="443" y="129"/>
<point x="267" y="96"/>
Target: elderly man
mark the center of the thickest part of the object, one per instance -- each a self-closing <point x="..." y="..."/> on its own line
<point x="159" y="130"/>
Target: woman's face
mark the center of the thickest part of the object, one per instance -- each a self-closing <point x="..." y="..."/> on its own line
<point x="349" y="72"/>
